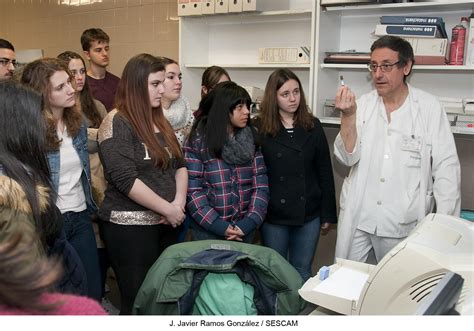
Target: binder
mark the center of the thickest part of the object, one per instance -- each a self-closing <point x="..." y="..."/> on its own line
<point x="416" y="20"/>
<point x="208" y="7"/>
<point x="298" y="55"/>
<point x="196" y="7"/>
<point x="469" y="51"/>
<point x="189" y="7"/>
<point x="184" y="8"/>
<point x="235" y="6"/>
<point x="221" y="6"/>
<point x="265" y="5"/>
<point x="347" y="57"/>
<point x="420" y="31"/>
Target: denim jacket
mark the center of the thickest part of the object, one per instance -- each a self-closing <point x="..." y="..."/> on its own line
<point x="80" y="145"/>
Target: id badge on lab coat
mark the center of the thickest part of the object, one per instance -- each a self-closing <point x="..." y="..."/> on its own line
<point x="412" y="144"/>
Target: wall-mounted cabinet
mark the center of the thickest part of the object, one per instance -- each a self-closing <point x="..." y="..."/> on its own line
<point x="342" y="28"/>
<point x="232" y="41"/>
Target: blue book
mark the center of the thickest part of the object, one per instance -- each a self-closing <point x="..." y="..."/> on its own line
<point x="420" y="31"/>
<point x="416" y="20"/>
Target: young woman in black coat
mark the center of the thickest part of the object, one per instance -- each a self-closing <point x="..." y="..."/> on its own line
<point x="302" y="197"/>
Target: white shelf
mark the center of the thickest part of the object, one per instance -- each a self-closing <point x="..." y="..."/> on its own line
<point x="253" y="17"/>
<point x="330" y="120"/>
<point x="352" y="26"/>
<point x="398" y="8"/>
<point x="232" y="41"/>
<point x="460" y="130"/>
<point x="415" y="67"/>
<point x="251" y="66"/>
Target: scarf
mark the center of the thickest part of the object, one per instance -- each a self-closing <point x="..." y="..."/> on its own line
<point x="240" y="149"/>
<point x="178" y="113"/>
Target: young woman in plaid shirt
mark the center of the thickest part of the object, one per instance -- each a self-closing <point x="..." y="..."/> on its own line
<point x="227" y="178"/>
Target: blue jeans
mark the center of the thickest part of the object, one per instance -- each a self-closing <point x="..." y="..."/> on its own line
<point x="79" y="233"/>
<point x="199" y="233"/>
<point x="297" y="244"/>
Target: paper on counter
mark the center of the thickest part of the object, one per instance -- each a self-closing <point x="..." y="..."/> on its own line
<point x="344" y="283"/>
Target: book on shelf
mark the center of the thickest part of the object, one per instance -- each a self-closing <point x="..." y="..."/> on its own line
<point x="420" y="31"/>
<point x="452" y="105"/>
<point x="429" y="50"/>
<point x="452" y="109"/>
<point x="430" y="60"/>
<point x="416" y="20"/>
<point x="464" y="124"/>
<point x="469" y="51"/>
<point x="349" y="57"/>
<point x="465" y="118"/>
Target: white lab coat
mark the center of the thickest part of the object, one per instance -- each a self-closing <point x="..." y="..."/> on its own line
<point x="440" y="178"/>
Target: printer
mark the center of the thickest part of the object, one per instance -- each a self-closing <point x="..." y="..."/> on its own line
<point x="411" y="279"/>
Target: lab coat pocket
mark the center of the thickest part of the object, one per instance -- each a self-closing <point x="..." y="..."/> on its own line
<point x="411" y="203"/>
<point x="411" y="150"/>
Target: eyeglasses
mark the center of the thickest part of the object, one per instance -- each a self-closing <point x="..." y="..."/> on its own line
<point x="4" y="62"/>
<point x="383" y="67"/>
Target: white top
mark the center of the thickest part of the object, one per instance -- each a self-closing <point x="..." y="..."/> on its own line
<point x="392" y="189"/>
<point x="398" y="170"/>
<point x="71" y="195"/>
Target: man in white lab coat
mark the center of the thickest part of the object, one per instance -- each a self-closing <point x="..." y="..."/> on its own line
<point x="398" y="143"/>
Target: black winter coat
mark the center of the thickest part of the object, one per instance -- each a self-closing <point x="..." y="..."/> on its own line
<point x="300" y="176"/>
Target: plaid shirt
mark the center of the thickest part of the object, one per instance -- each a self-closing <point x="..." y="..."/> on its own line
<point x="220" y="193"/>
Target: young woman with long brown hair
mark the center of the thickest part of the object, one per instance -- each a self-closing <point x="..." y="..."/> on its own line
<point x="296" y="152"/>
<point x="68" y="159"/>
<point x="94" y="112"/>
<point x="146" y="174"/>
<point x="175" y="106"/>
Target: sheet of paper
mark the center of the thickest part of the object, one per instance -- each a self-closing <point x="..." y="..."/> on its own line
<point x="344" y="282"/>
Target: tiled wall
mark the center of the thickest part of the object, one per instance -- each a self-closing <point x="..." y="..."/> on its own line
<point x="134" y="26"/>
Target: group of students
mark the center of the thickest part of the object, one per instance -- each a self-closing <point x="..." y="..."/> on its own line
<point x="215" y="177"/>
<point x="164" y="167"/>
<point x="147" y="167"/>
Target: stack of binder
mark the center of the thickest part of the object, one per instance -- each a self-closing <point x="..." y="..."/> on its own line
<point x="427" y="35"/>
<point x="349" y="57"/>
<point x="452" y="105"/>
<point x="460" y="113"/>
